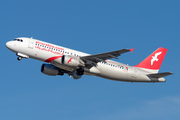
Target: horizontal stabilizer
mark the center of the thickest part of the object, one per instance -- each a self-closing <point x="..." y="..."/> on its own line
<point x="159" y="75"/>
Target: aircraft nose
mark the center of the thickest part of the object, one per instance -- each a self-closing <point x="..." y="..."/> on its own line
<point x="8" y="44"/>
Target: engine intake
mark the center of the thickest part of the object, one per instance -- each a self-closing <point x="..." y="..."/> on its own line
<point x="78" y="73"/>
<point x="51" y="70"/>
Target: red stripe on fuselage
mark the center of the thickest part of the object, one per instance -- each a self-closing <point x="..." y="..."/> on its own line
<point x="52" y="58"/>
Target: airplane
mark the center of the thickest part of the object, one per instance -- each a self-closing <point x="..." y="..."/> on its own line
<point x="61" y="60"/>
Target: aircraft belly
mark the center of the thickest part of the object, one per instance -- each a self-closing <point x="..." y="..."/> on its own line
<point x="39" y="55"/>
<point x="130" y="75"/>
<point x="112" y="73"/>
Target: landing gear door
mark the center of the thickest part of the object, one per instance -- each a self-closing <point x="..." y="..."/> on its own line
<point x="31" y="43"/>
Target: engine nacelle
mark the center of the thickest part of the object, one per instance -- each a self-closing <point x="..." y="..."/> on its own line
<point x="76" y="75"/>
<point x="72" y="61"/>
<point x="51" y="70"/>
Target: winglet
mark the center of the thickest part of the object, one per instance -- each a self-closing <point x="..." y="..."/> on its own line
<point x="131" y="50"/>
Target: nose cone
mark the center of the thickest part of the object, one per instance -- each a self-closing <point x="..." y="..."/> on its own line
<point x="8" y="45"/>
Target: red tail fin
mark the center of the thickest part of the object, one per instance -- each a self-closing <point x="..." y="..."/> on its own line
<point x="154" y="61"/>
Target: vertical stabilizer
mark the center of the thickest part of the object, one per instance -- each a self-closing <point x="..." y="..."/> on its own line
<point x="153" y="62"/>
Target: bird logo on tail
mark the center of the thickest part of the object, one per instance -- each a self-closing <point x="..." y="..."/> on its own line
<point x="154" y="58"/>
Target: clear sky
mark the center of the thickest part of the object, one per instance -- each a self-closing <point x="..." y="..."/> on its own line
<point x="93" y="26"/>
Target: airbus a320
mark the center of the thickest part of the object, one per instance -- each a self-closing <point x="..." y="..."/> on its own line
<point x="61" y="60"/>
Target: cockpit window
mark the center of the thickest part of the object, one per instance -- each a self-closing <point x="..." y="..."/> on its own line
<point x="20" y="40"/>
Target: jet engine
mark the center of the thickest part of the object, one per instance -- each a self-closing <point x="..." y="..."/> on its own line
<point x="78" y="73"/>
<point x="72" y="61"/>
<point x="51" y="70"/>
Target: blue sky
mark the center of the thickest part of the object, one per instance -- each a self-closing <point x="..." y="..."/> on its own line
<point x="93" y="27"/>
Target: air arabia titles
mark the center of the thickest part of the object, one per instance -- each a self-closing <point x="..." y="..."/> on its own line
<point x="50" y="48"/>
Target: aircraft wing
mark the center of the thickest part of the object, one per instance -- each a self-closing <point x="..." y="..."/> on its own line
<point x="93" y="59"/>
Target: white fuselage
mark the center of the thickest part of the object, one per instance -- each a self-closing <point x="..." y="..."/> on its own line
<point x="52" y="54"/>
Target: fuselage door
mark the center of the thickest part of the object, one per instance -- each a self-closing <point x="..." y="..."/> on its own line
<point x="31" y="43"/>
